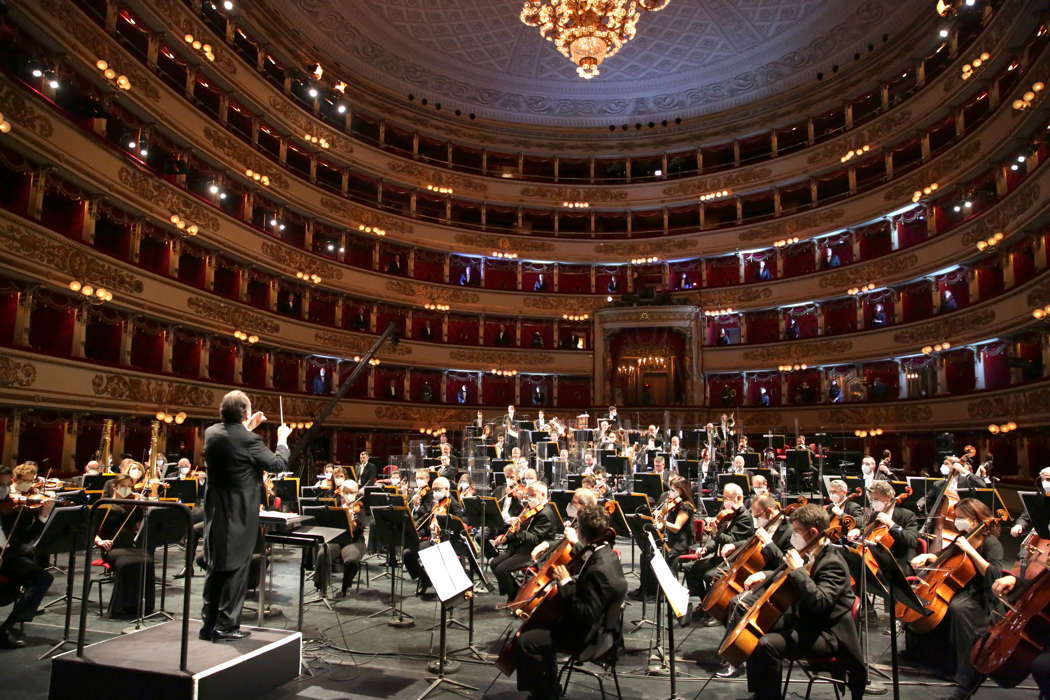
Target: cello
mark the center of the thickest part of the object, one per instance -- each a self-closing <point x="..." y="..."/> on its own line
<point x="775" y="599"/>
<point x="878" y="532"/>
<point x="1007" y="651"/>
<point x="940" y="581"/>
<point x="744" y="562"/>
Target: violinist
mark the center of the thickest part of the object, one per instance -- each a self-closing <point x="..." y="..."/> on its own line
<point x="586" y="599"/>
<point x="819" y="622"/>
<point x="129" y="564"/>
<point x="536" y="523"/>
<point x="440" y="503"/>
<point x="351" y="553"/>
<point x="903" y="525"/>
<point x="324" y="479"/>
<point x="733" y="524"/>
<point x="422" y="496"/>
<point x="465" y="488"/>
<point x="673" y="522"/>
<point x="970" y="609"/>
<point x="18" y="562"/>
<point x="337" y="480"/>
<point x="92" y="468"/>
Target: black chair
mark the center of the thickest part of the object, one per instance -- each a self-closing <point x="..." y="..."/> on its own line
<point x="603" y="650"/>
<point x="823" y="669"/>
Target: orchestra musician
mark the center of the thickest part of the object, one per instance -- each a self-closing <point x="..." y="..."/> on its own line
<point x="903" y="524"/>
<point x="886" y="465"/>
<point x="759" y="486"/>
<point x="128" y="563"/>
<point x="673" y="519"/>
<point x="536" y="523"/>
<point x="439" y="501"/>
<point x="839" y="505"/>
<point x="819" y="622"/>
<point x="583" y="497"/>
<point x="500" y="447"/>
<point x="510" y="428"/>
<point x="733" y="524"/>
<point x="236" y="459"/>
<point x="365" y="471"/>
<point x="1040" y="669"/>
<point x="970" y="610"/>
<point x="20" y="527"/>
<point x="1042" y="485"/>
<point x="586" y="598"/>
<point x="324" y="479"/>
<point x="738" y="466"/>
<point x="613" y="418"/>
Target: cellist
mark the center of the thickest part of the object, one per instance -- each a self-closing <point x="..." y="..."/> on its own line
<point x="970" y="609"/>
<point x="585" y="597"/>
<point x="819" y="622"/>
<point x="734" y="524"/>
<point x="903" y="525"/>
<point x="1041" y="663"/>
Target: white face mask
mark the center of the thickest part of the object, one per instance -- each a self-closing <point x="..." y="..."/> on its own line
<point x="837" y="498"/>
<point x="963" y="524"/>
<point x="183" y="471"/>
<point x="880" y="506"/>
<point x="535" y="502"/>
<point x="420" y="483"/>
<point x="395" y="480"/>
<point x="529" y="481"/>
<point x="440" y="495"/>
<point x="135" y="474"/>
<point x="571" y="511"/>
<point x="339" y="481"/>
<point x="798" y="542"/>
<point x="1046" y="485"/>
<point x="761" y="522"/>
<point x="866" y="468"/>
<point x="123" y="492"/>
<point x="946" y="470"/>
<point x="23" y="486"/>
<point x="761" y="490"/>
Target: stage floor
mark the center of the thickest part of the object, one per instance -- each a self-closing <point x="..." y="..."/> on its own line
<point x="388" y="662"/>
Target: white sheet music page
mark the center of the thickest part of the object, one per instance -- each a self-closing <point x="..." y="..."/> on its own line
<point x="445" y="572"/>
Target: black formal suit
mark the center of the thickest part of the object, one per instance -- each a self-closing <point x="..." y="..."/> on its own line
<point x="773" y="553"/>
<point x="905" y="533"/>
<point x="585" y="600"/>
<point x="702" y="573"/>
<point x="236" y="459"/>
<point x="411" y="556"/>
<point x="819" y="623"/>
<point x="366" y="474"/>
<point x="539" y="528"/>
<point x="23" y="566"/>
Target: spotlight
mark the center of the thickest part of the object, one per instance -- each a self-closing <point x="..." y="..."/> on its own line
<point x="227" y="5"/>
<point x="944" y="33"/>
<point x="312" y="92"/>
<point x="341" y="108"/>
<point x="53" y="84"/>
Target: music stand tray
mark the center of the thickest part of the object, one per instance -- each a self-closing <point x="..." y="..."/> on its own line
<point x="451" y="583"/>
<point x="649" y="484"/>
<point x="1038" y="508"/>
<point x="741" y="480"/>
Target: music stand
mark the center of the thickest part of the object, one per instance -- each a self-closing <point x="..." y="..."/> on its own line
<point x="483" y="513"/>
<point x="287" y="489"/>
<point x="689" y="468"/>
<point x="574" y="481"/>
<point x="160" y="528"/>
<point x="677" y="597"/>
<point x="393" y="528"/>
<point x="450" y="582"/>
<point x="650" y="484"/>
<point x="1038" y="508"/>
<point x="741" y="480"/>
<point x="561" y="499"/>
<point x="613" y="465"/>
<point x="63" y="532"/>
<point x="184" y="490"/>
<point x="750" y="460"/>
<point x="989" y="497"/>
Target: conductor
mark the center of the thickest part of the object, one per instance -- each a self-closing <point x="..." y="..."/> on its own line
<point x="236" y="459"/>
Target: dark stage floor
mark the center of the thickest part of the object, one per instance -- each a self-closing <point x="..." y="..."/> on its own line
<point x="388" y="662"/>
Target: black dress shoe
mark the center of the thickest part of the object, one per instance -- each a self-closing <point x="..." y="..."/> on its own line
<point x="9" y="641"/>
<point x="206" y="634"/>
<point x="728" y="670"/>
<point x="428" y="595"/>
<point x="229" y="635"/>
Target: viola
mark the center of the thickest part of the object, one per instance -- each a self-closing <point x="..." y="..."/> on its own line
<point x="948" y="575"/>
<point x="1007" y="652"/>
<point x="742" y="563"/>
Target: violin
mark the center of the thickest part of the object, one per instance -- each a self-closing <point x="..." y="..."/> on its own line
<point x="421" y="493"/>
<point x="1007" y="651"/>
<point x="948" y="575"/>
<point x="712" y="525"/>
<point x="518" y="522"/>
<point x="439" y="508"/>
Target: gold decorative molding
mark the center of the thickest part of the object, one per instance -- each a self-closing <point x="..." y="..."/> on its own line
<point x="434" y="293"/>
<point x="300" y="261"/>
<point x="1003" y="214"/>
<point x="233" y="316"/>
<point x="363" y="215"/>
<point x="502" y="357"/>
<point x="866" y="272"/>
<point x="867" y="416"/>
<point x="186" y="23"/>
<point x="864" y="136"/>
<point x="644" y="314"/>
<point x="561" y="302"/>
<point x="305" y="125"/>
<point x="796" y="351"/>
<point x="713" y="183"/>
<point x="727" y="298"/>
<point x="294" y="406"/>
<point x="944" y="328"/>
<point x="788" y="227"/>
<point x="426" y="416"/>
<point x="1030" y="402"/>
<point x="647" y="247"/>
<point x="594" y="195"/>
<point x="160" y="193"/>
<point x="245" y="156"/>
<point x="1039" y="295"/>
<point x="22" y="113"/>
<point x="155" y="392"/>
<point x="16" y="374"/>
<point x="942" y="171"/>
<point x="358" y="344"/>
<point x="502" y="243"/>
<point x="434" y="176"/>
<point x="63" y="257"/>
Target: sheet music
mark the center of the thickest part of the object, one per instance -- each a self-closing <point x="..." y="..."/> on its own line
<point x="677" y="594"/>
<point x="445" y="572"/>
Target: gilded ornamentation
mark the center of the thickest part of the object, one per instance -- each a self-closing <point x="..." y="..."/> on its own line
<point x="868" y="135"/>
<point x="434" y="293"/>
<point x="300" y="261"/>
<point x="16" y="374"/>
<point x="867" y="416"/>
<point x="560" y="302"/>
<point x="789" y="227"/>
<point x="305" y="125"/>
<point x="501" y="357"/>
<point x="502" y="243"/>
<point x="64" y="257"/>
<point x="647" y="314"/>
<point x="294" y="406"/>
<point x="364" y="215"/>
<point x="1039" y="295"/>
<point x="152" y="391"/>
<point x="22" y="113"/>
<point x="185" y="23"/>
<point x="942" y="170"/>
<point x="797" y="351"/>
<point x="353" y="344"/>
<point x="1003" y="215"/>
<point x="637" y="249"/>
<point x="233" y="315"/>
<point x="882" y="270"/>
<point x="941" y="329"/>
<point x="245" y="156"/>
<point x="728" y="298"/>
<point x="162" y="195"/>
<point x="425" y="416"/>
<point x="733" y="179"/>
<point x="439" y="178"/>
<point x="1029" y="402"/>
<point x="593" y="195"/>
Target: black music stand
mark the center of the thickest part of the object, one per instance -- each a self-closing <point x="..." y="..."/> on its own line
<point x="63" y="532"/>
<point x="574" y="481"/>
<point x="561" y="498"/>
<point x="160" y="528"/>
<point x="184" y="490"/>
<point x="650" y="484"/>
<point x="800" y="462"/>
<point x="1038" y="508"/>
<point x="667" y="582"/>
<point x="987" y="496"/>
<point x="451" y="583"/>
<point x="394" y="529"/>
<point x="483" y="513"/>
<point x="637" y="525"/>
<point x="741" y="480"/>
<point x="689" y="468"/>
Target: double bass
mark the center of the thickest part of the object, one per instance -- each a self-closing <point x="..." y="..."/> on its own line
<point x="948" y="575"/>
<point x="774" y="601"/>
<point x="744" y="562"/>
<point x="1007" y="652"/>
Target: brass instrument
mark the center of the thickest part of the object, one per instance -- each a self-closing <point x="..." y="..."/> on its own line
<point x="105" y="447"/>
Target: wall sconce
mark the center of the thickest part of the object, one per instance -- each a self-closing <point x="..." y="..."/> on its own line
<point x="95" y="295"/>
<point x="198" y="45"/>
<point x="245" y="338"/>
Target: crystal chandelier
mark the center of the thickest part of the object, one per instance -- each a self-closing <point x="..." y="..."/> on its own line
<point x="587" y="31"/>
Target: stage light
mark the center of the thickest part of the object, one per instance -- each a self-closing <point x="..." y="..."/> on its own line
<point x="227" y="5"/>
<point x="312" y="92"/>
<point x="341" y="108"/>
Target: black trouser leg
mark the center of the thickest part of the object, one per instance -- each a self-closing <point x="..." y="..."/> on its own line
<point x="503" y="568"/>
<point x="224" y="593"/>
<point x="34" y="579"/>
<point x="534" y="653"/>
<point x="1041" y="673"/>
<point x="966" y="620"/>
<point x="698" y="576"/>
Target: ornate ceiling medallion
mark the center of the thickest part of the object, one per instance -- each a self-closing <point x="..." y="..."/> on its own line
<point x="587" y="31"/>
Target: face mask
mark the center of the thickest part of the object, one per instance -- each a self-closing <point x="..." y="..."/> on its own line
<point x="529" y="481"/>
<point x="761" y="490"/>
<point x="798" y="541"/>
<point x="963" y="524"/>
<point x="866" y="469"/>
<point x="1046" y="485"/>
<point x="183" y="471"/>
<point x="838" y="498"/>
<point x="946" y="470"/>
<point x="880" y="506"/>
<point x="135" y="474"/>
<point x="571" y="511"/>
<point x="339" y="481"/>
<point x="123" y="492"/>
<point x="395" y="480"/>
<point x="761" y="522"/>
<point x="23" y="486"/>
<point x="535" y="502"/>
<point x="420" y="483"/>
<point x="440" y="495"/>
<point x="328" y="475"/>
<point x="4" y="491"/>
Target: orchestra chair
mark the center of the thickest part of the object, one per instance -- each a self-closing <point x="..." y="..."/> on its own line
<point x="828" y="669"/>
<point x="690" y="557"/>
<point x="604" y="651"/>
<point x="106" y="577"/>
